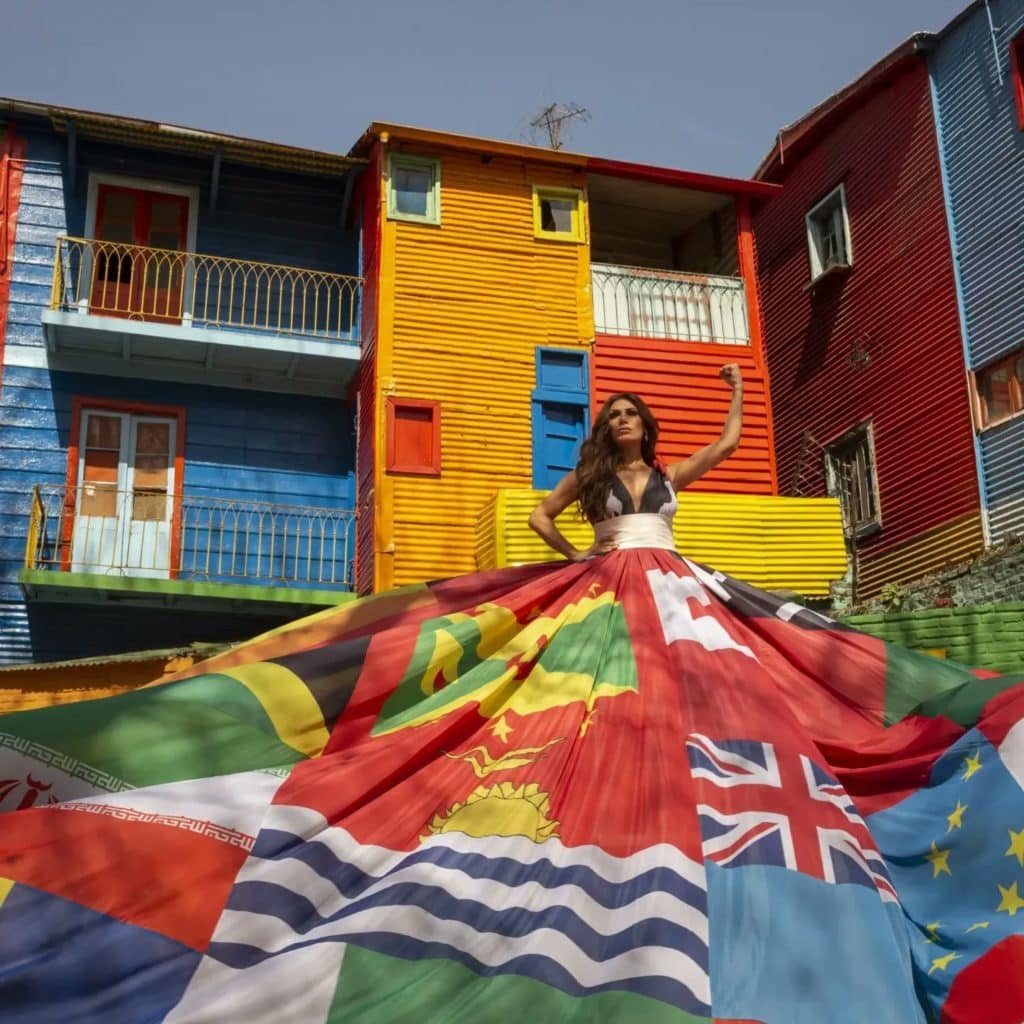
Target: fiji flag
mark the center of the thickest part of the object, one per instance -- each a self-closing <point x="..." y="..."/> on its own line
<point x="803" y="908"/>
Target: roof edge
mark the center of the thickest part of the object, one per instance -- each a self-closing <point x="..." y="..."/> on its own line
<point x="803" y="131"/>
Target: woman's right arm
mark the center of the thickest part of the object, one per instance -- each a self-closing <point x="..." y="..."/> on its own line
<point x="542" y="521"/>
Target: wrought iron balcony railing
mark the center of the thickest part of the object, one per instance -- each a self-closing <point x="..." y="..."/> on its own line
<point x="644" y="303"/>
<point x="150" y="533"/>
<point x="167" y="286"/>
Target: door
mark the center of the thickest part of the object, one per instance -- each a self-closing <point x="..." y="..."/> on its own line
<point x="560" y="413"/>
<point x="562" y="429"/>
<point x="124" y="501"/>
<point x="138" y="259"/>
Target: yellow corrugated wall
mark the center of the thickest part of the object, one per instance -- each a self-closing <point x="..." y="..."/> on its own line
<point x="771" y="542"/>
<point x="463" y="306"/>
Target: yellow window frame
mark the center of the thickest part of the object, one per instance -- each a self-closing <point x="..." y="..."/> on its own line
<point x="579" y="213"/>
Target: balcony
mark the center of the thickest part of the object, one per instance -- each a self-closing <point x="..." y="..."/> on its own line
<point x="153" y="548"/>
<point x="641" y="303"/>
<point x="199" y="318"/>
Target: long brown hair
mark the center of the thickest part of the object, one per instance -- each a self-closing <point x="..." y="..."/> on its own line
<point x="600" y="455"/>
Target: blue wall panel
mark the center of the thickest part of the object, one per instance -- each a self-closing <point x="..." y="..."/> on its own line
<point x="240" y="446"/>
<point x="982" y="149"/>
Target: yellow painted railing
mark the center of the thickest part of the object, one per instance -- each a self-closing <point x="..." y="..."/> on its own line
<point x="168" y="286"/>
<point x="775" y="543"/>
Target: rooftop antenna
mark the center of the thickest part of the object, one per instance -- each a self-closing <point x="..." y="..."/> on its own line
<point x="554" y="119"/>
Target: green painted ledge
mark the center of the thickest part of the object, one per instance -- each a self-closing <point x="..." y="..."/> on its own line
<point x="45" y="585"/>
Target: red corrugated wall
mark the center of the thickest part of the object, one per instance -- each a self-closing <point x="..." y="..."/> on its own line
<point x="12" y="154"/>
<point x="680" y="383"/>
<point x="898" y="304"/>
<point x="368" y="198"/>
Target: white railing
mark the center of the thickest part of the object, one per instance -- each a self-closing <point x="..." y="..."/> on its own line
<point x="166" y="286"/>
<point x="95" y="529"/>
<point x="643" y="303"/>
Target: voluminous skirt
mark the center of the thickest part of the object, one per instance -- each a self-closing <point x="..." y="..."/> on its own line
<point x="626" y="790"/>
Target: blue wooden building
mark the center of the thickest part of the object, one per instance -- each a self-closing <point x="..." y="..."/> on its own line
<point x="977" y="82"/>
<point x="179" y="323"/>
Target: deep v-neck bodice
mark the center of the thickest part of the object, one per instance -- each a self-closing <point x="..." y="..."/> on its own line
<point x="657" y="496"/>
<point x="632" y="505"/>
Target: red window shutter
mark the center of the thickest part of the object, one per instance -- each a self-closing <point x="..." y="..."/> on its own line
<point x="414" y="436"/>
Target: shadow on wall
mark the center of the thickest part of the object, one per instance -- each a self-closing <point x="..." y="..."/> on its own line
<point x="81" y="631"/>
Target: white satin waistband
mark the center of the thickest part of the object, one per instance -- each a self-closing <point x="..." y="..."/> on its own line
<point x="640" y="530"/>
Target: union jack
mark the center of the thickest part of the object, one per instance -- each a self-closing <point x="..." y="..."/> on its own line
<point x="767" y="805"/>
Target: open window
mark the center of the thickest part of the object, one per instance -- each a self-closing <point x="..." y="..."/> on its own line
<point x="559" y="214"/>
<point x="850" y="468"/>
<point x="828" y="234"/>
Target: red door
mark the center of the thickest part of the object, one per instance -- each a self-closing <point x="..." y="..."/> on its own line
<point x="138" y="258"/>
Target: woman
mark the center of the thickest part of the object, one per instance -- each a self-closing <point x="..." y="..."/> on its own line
<point x="620" y="788"/>
<point x="618" y="473"/>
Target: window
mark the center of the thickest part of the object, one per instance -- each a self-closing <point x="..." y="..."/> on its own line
<point x="124" y="480"/>
<point x="1000" y="389"/>
<point x="850" y="468"/>
<point x="828" y="234"/>
<point x="1017" y="75"/>
<point x="559" y="213"/>
<point x="414" y="436"/>
<point x="414" y="188"/>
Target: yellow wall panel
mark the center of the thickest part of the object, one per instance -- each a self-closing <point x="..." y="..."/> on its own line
<point x="464" y="305"/>
<point x="771" y="542"/>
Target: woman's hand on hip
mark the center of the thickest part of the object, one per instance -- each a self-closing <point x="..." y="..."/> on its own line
<point x="599" y="547"/>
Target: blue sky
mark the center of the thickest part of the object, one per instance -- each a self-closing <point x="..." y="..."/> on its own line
<point x="700" y="84"/>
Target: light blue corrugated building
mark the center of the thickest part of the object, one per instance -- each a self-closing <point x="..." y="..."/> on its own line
<point x="977" y="79"/>
<point x="177" y="429"/>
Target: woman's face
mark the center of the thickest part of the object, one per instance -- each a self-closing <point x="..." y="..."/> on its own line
<point x="625" y="423"/>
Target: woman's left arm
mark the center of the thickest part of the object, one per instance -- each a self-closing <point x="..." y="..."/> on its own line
<point x="693" y="468"/>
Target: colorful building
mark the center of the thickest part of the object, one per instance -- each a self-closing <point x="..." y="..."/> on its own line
<point x="977" y="82"/>
<point x="509" y="290"/>
<point x="179" y="319"/>
<point x="242" y="381"/>
<point x="862" y="324"/>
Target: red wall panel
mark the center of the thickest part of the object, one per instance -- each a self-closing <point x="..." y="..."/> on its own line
<point x="368" y="199"/>
<point x="680" y="382"/>
<point x="897" y="304"/>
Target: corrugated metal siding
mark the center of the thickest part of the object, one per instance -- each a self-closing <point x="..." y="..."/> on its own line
<point x="369" y="200"/>
<point x="27" y="422"/>
<point x="680" y="383"/>
<point x="472" y="299"/>
<point x="898" y="303"/>
<point x="922" y="555"/>
<point x="771" y="542"/>
<point x="1002" y="450"/>
<point x="984" y="155"/>
<point x="983" y="150"/>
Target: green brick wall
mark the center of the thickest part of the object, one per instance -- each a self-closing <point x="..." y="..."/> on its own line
<point x="982" y="636"/>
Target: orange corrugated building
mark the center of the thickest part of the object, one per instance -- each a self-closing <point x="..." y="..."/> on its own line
<point x="510" y="289"/>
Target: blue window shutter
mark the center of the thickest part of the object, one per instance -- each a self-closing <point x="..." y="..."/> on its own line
<point x="561" y="414"/>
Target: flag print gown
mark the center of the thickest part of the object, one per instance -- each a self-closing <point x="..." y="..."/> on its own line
<point x="631" y="789"/>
